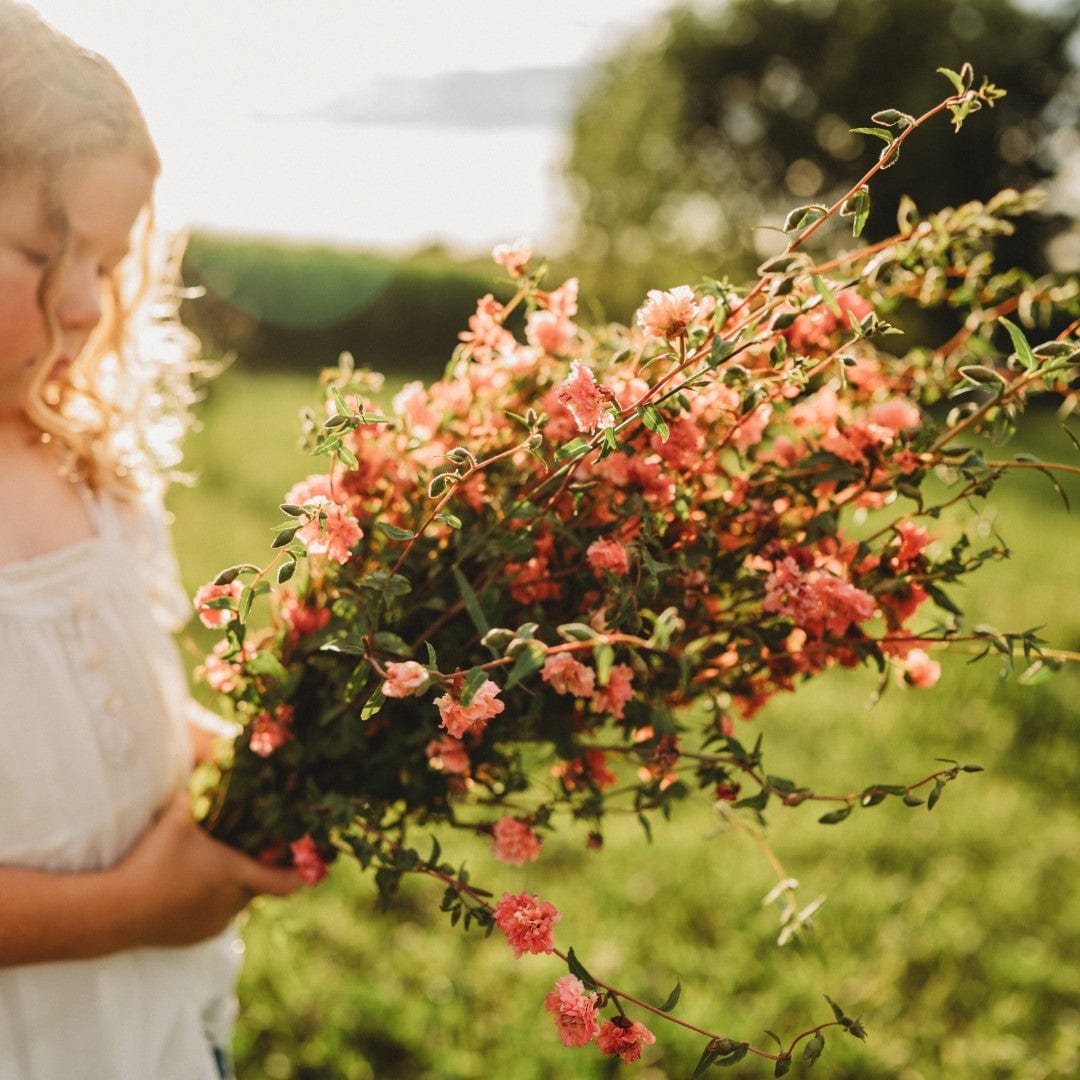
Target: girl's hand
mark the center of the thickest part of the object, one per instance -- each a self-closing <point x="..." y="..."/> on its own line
<point x="183" y="886"/>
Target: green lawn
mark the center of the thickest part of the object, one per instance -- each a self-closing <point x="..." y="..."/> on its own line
<point x="954" y="934"/>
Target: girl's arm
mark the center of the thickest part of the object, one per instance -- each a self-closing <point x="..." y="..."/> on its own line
<point x="177" y="886"/>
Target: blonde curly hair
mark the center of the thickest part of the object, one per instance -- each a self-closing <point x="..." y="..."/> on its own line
<point x="121" y="409"/>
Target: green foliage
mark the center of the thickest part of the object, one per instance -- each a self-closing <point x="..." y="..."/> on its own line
<point x="953" y="934"/>
<point x="277" y="305"/>
<point x="722" y="115"/>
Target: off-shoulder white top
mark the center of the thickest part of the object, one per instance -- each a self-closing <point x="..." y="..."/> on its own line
<point x="93" y="742"/>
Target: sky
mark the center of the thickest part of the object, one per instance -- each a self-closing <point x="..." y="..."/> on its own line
<point x="336" y="119"/>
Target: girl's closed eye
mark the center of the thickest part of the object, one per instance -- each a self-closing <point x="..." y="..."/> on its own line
<point x="37" y="257"/>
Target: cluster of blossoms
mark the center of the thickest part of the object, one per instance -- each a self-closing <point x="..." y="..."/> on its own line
<point x="570" y="569"/>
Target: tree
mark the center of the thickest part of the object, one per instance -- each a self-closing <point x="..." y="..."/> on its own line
<point x="723" y="117"/>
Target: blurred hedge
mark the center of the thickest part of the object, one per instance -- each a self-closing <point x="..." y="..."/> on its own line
<point x="283" y="306"/>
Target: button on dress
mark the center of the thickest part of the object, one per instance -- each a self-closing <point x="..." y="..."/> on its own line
<point x="93" y="743"/>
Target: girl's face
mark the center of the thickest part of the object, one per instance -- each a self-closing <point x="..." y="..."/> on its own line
<point x="101" y="197"/>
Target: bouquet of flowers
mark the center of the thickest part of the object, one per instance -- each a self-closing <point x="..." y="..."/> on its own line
<point x="568" y="572"/>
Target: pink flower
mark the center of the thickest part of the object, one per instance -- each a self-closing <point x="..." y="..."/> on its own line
<point x="405" y="679"/>
<point x="561" y="301"/>
<point x="309" y="864"/>
<point x="216" y="617"/>
<point x="458" y="719"/>
<point x="331" y="531"/>
<point x="303" y="619"/>
<point x="667" y="314"/>
<point x="515" y="843"/>
<point x="913" y="538"/>
<point x="313" y="489"/>
<point x="623" y="1037"/>
<point x="895" y="414"/>
<point x="565" y="675"/>
<point x="548" y="331"/>
<point x="514" y="257"/>
<point x="448" y="755"/>
<point x="224" y="675"/>
<point x="269" y="733"/>
<point x="817" y="601"/>
<point x="612" y="698"/>
<point x="919" y="670"/>
<point x="527" y="922"/>
<point x="585" y="400"/>
<point x="608" y="555"/>
<point x="574" y="1011"/>
<point x="486" y="334"/>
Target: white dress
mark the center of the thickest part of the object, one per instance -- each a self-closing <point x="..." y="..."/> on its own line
<point x="93" y="742"/>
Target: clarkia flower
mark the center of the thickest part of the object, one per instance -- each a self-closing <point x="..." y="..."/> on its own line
<point x="527" y="922"/>
<point x="574" y="1010"/>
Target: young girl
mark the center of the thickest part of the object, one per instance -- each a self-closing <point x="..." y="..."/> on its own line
<point x="115" y="957"/>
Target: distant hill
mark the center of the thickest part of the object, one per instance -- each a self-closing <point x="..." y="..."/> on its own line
<point x="538" y="96"/>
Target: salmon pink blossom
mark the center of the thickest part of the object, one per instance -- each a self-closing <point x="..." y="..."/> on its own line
<point x="624" y="1037"/>
<point x="585" y="400"/>
<point x="548" y="331"/>
<point x="448" y="755"/>
<point x="561" y="301"/>
<point x="405" y="679"/>
<point x="270" y="733"/>
<point x="331" y="531"/>
<point x="920" y="670"/>
<point x="668" y="314"/>
<point x="604" y="554"/>
<point x="458" y="719"/>
<point x="514" y="258"/>
<point x="309" y="864"/>
<point x="565" y="675"/>
<point x="216" y="617"/>
<point x="612" y="699"/>
<point x="574" y="1011"/>
<point x="527" y="922"/>
<point x="515" y="842"/>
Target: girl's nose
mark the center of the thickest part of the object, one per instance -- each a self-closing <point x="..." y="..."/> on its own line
<point x="79" y="304"/>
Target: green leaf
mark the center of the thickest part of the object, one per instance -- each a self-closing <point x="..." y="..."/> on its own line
<point x="449" y="519"/>
<point x="826" y="294"/>
<point x="878" y="133"/>
<point x="373" y="704"/>
<point x="802" y="217"/>
<point x="604" y="658"/>
<point x="959" y="82"/>
<point x="286" y="570"/>
<point x="394" y="532"/>
<point x="528" y="660"/>
<point x="577" y="968"/>
<point x="1023" y="349"/>
<point x="284" y="536"/>
<point x="472" y="604"/>
<point x="572" y="449"/>
<point x="734" y="1057"/>
<point x="857" y="206"/>
<point x="672" y="998"/>
<point x="704" y="1062"/>
<point x="841" y="1016"/>
<point x="932" y="801"/>
<point x="814" y="1045"/>
<point x="654" y="421"/>
<point x="229" y="575"/>
<point x="476" y="678"/>
<point x="834" y="817"/>
<point x="268" y="665"/>
<point x="893" y="118"/>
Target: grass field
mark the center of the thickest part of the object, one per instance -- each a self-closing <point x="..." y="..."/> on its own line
<point x="954" y="934"/>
